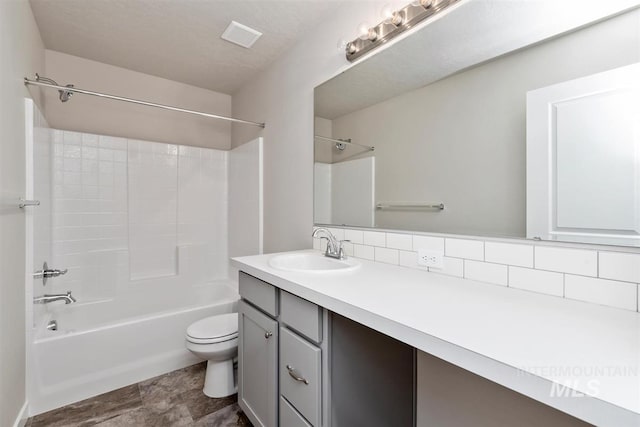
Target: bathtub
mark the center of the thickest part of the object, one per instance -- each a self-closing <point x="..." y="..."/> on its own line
<point x="103" y="346"/>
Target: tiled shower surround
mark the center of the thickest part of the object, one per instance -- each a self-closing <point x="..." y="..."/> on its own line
<point x="126" y="211"/>
<point x="591" y="274"/>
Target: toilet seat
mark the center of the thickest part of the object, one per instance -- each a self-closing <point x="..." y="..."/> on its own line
<point x="214" y="329"/>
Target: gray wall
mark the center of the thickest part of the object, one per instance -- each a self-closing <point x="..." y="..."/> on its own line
<point x="449" y="396"/>
<point x="461" y="140"/>
<point x="22" y="54"/>
<point x="104" y="117"/>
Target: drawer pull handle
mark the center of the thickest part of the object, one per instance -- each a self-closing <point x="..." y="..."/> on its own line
<point x="296" y="376"/>
<point x="268" y="335"/>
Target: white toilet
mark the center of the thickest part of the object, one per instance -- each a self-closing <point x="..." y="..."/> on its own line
<point x="215" y="339"/>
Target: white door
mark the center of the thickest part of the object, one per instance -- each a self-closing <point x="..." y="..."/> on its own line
<point x="583" y="159"/>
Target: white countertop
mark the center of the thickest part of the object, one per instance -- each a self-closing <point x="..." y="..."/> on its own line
<point x="531" y="343"/>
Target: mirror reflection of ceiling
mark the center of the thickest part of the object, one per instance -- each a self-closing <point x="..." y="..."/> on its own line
<point x="473" y="32"/>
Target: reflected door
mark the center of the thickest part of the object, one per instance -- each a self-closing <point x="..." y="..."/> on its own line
<point x="583" y="159"/>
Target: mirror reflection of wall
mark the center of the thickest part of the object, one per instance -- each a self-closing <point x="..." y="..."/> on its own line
<point x="461" y="140"/>
<point x="344" y="180"/>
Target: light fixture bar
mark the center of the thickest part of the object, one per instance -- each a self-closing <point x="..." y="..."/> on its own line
<point x="399" y="22"/>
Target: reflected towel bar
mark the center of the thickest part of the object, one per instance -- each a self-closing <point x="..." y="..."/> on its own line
<point x="409" y="205"/>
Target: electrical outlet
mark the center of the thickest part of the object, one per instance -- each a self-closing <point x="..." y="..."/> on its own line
<point x="429" y="258"/>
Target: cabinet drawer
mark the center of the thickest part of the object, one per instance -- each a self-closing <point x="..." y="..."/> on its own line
<point x="289" y="417"/>
<point x="259" y="293"/>
<point x="300" y="375"/>
<point x="301" y="315"/>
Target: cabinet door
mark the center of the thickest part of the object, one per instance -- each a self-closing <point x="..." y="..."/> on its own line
<point x="257" y="366"/>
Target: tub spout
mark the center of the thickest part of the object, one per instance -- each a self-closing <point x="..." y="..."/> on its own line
<point x="47" y="298"/>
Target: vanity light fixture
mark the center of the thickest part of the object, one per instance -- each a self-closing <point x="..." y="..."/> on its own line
<point x="394" y="23"/>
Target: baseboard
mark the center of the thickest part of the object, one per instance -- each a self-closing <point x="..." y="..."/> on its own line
<point x="23" y="415"/>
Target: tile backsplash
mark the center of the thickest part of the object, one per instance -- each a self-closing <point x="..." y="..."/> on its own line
<point x="597" y="276"/>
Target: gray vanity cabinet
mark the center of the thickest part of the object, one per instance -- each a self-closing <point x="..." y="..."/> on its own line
<point x="303" y="366"/>
<point x="258" y="351"/>
<point x="280" y="357"/>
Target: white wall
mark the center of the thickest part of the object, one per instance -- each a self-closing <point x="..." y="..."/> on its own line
<point x="22" y="53"/>
<point x="105" y="117"/>
<point x="344" y="192"/>
<point x="245" y="203"/>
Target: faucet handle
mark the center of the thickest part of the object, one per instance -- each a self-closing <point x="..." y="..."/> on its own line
<point x="341" y="248"/>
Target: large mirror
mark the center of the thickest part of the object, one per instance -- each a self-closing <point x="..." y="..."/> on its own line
<point x="495" y="120"/>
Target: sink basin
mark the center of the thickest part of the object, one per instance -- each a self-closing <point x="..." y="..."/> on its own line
<point x="312" y="263"/>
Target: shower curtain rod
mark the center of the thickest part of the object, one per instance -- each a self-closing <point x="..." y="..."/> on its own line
<point x="340" y="141"/>
<point x="136" y="101"/>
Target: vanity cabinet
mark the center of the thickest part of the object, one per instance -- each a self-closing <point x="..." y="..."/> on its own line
<point x="303" y="366"/>
<point x="280" y="356"/>
<point x="258" y="351"/>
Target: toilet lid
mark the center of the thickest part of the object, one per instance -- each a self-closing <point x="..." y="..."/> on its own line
<point x="220" y="326"/>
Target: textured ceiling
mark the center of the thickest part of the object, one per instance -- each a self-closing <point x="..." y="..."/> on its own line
<point x="178" y="39"/>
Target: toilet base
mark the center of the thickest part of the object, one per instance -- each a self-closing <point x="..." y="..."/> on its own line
<point x="219" y="379"/>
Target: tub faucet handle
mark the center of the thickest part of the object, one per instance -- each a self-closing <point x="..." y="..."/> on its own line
<point x="47" y="273"/>
<point x="54" y="272"/>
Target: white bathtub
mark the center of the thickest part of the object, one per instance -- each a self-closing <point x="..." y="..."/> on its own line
<point x="103" y="346"/>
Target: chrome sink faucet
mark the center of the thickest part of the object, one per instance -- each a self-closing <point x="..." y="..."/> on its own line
<point x="47" y="298"/>
<point x="334" y="246"/>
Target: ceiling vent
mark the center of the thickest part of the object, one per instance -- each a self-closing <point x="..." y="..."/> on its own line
<point x="240" y="34"/>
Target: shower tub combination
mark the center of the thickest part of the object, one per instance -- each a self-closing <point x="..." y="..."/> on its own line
<point x="103" y="346"/>
<point x="147" y="254"/>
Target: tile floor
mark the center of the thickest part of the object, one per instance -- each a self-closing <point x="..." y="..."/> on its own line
<point x="173" y="399"/>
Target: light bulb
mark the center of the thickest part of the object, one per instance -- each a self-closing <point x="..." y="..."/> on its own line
<point x="391" y="16"/>
<point x="367" y="33"/>
<point x="386" y="12"/>
<point x="363" y="30"/>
